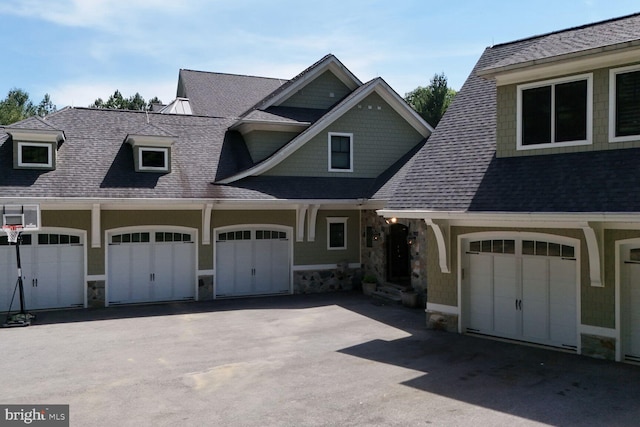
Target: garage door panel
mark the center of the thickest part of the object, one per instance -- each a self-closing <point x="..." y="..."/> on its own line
<point x="505" y="295"/>
<point x="526" y="293"/>
<point x="631" y="310"/>
<point x="140" y="267"/>
<point x="184" y="270"/>
<point x="164" y="264"/>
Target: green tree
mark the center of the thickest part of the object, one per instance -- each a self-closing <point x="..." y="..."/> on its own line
<point x="119" y="102"/>
<point x="432" y="101"/>
<point x="18" y="106"/>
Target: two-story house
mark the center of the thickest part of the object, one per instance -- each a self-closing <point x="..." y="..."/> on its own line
<point x="529" y="187"/>
<point x="242" y="186"/>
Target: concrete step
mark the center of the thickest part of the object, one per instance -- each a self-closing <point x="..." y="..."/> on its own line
<point x="384" y="294"/>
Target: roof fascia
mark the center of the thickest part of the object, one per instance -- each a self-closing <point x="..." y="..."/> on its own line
<point x="149" y="140"/>
<point x="379" y="86"/>
<point x="507" y="219"/>
<point x="331" y="63"/>
<point x="577" y="62"/>
<point x="246" y="126"/>
<point x="36" y="135"/>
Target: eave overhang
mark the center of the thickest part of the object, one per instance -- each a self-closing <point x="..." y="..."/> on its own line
<point x="571" y="63"/>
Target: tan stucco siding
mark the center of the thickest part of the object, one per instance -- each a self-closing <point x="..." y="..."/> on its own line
<point x="321" y="93"/>
<point x="314" y="253"/>
<point x="507" y="121"/>
<point x="380" y="138"/>
<point x="262" y="144"/>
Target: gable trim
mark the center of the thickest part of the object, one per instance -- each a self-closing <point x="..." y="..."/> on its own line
<point x="378" y="86"/>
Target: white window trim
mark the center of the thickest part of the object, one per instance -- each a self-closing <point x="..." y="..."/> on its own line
<point x="49" y="163"/>
<point x="164" y="168"/>
<point x="589" y="78"/>
<point x="350" y="135"/>
<point x="612" y="104"/>
<point x="336" y="220"/>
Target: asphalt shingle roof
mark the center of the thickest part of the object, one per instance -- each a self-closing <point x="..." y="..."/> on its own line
<point x="457" y="169"/>
<point x="224" y="95"/>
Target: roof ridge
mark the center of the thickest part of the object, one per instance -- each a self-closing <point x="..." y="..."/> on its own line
<point x="233" y="74"/>
<point x="566" y="30"/>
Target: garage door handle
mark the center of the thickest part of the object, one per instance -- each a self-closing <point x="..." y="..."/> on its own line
<point x="520" y="305"/>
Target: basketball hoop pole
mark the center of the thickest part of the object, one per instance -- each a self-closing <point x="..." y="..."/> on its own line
<point x="22" y="318"/>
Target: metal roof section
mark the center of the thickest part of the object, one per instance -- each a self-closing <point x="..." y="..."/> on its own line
<point x="177" y="106"/>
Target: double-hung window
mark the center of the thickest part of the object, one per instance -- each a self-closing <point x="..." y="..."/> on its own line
<point x="555" y="113"/>
<point x="340" y="152"/>
<point x="624" y="104"/>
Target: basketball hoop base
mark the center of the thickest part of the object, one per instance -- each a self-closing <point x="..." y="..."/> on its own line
<point x="18" y="320"/>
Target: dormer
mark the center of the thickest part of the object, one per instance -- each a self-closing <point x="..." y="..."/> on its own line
<point x="35" y="145"/>
<point x="573" y="90"/>
<point x="151" y="149"/>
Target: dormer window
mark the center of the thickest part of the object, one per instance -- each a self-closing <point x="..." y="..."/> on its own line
<point x="624" y="104"/>
<point x="153" y="159"/>
<point x="35" y="155"/>
<point x="555" y="113"/>
<point x="35" y="148"/>
<point x="151" y="153"/>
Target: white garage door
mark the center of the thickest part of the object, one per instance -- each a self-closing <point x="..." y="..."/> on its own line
<point x="630" y="301"/>
<point x="150" y="266"/>
<point x="521" y="289"/>
<point x="52" y="271"/>
<point x="252" y="261"/>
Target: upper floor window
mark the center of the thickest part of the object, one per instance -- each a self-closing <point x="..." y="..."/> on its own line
<point x="555" y="113"/>
<point x="35" y="155"/>
<point x="624" y="104"/>
<point x="153" y="159"/>
<point x="340" y="152"/>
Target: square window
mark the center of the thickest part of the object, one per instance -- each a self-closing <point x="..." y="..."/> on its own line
<point x="340" y="152"/>
<point x="153" y="159"/>
<point x="624" y="104"/>
<point x="35" y="155"/>
<point x="336" y="233"/>
<point x="555" y="113"/>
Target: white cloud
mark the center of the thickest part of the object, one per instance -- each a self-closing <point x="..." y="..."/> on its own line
<point x="83" y="94"/>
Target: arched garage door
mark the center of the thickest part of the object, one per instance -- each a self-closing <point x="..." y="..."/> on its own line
<point x="252" y="261"/>
<point x="521" y="288"/>
<point x="630" y="302"/>
<point x="151" y="265"/>
<point x="53" y="271"/>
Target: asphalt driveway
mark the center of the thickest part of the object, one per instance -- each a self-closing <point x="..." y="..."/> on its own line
<point x="316" y="360"/>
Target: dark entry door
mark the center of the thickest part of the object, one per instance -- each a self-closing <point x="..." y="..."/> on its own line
<point x="398" y="254"/>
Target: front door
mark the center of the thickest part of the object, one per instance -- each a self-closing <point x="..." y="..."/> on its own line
<point x="398" y="254"/>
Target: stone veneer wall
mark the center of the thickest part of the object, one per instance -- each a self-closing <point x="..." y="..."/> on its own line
<point x="342" y="278"/>
<point x="95" y="293"/>
<point x="374" y="258"/>
<point x="205" y="287"/>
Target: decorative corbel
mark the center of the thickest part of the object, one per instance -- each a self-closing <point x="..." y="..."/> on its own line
<point x="593" y="236"/>
<point x="311" y="222"/>
<point x="301" y="212"/>
<point x="442" y="231"/>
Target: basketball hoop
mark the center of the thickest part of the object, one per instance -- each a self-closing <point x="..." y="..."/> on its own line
<point x="12" y="231"/>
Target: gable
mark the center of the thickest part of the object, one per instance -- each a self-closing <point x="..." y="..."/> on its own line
<point x="321" y="93"/>
<point x="380" y="137"/>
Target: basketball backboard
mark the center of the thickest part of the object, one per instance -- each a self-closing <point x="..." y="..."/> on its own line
<point x="28" y="216"/>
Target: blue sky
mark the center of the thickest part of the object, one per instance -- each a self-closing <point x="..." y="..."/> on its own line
<point x="79" y="50"/>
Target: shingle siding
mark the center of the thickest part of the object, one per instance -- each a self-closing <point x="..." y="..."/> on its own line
<point x="507" y="121"/>
<point x="380" y="137"/>
<point x="321" y="93"/>
<point x="262" y="144"/>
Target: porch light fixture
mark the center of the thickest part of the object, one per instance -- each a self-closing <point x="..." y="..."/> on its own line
<point x="391" y="220"/>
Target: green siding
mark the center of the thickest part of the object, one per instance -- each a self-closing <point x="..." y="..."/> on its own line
<point x="322" y="93"/>
<point x="262" y="144"/>
<point x="506" y="129"/>
<point x="380" y="138"/>
<point x="311" y="253"/>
